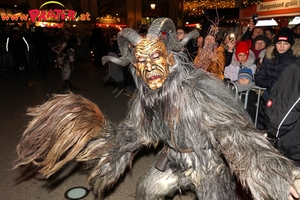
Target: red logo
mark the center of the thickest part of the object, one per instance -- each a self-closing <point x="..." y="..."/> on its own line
<point x="269" y="103"/>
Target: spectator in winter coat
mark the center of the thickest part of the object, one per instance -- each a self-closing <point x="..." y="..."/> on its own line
<point x="243" y="58"/>
<point x="245" y="82"/>
<point x="260" y="43"/>
<point x="18" y="46"/>
<point x="245" y="79"/>
<point x="277" y="58"/>
<point x="252" y="32"/>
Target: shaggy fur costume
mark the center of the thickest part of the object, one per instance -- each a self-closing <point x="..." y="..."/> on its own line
<point x="209" y="140"/>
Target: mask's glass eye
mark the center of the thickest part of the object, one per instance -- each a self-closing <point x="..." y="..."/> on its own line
<point x="141" y="59"/>
<point x="155" y="55"/>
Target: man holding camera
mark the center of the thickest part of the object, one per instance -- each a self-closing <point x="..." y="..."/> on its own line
<point x="252" y="30"/>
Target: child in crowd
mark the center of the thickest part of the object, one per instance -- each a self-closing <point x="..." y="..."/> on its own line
<point x="245" y="82"/>
<point x="245" y="79"/>
<point x="243" y="58"/>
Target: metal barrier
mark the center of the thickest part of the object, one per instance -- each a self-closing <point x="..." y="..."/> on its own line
<point x="259" y="91"/>
<point x="239" y="95"/>
<point x="121" y="76"/>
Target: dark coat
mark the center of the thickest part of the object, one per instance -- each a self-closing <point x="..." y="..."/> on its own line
<point x="283" y="112"/>
<point x="228" y="56"/>
<point x="270" y="70"/>
<point x="272" y="67"/>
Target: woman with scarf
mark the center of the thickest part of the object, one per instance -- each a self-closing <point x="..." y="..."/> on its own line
<point x="260" y="43"/>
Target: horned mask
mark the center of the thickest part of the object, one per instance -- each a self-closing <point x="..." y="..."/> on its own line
<point x="151" y="55"/>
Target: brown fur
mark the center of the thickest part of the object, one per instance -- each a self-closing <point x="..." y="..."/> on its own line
<point x="56" y="134"/>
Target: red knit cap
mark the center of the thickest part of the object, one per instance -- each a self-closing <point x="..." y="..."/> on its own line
<point x="243" y="47"/>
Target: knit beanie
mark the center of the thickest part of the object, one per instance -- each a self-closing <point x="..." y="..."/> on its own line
<point x="285" y="34"/>
<point x="246" y="73"/>
<point x="263" y="38"/>
<point x="243" y="47"/>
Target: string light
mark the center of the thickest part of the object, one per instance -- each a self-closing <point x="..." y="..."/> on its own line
<point x="248" y="3"/>
<point x="197" y="7"/>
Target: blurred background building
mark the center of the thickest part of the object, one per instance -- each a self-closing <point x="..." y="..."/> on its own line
<point x="137" y="13"/>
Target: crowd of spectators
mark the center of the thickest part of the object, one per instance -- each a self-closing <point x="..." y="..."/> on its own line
<point x="257" y="60"/>
<point x="265" y="52"/>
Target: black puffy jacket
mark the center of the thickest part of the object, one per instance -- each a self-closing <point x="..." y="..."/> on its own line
<point x="282" y="112"/>
<point x="272" y="67"/>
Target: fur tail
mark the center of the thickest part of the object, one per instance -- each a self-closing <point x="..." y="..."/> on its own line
<point x="60" y="129"/>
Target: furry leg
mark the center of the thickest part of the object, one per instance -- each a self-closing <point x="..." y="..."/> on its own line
<point x="108" y="159"/>
<point x="205" y="173"/>
<point x="156" y="184"/>
<point x="215" y="187"/>
<point x="296" y="173"/>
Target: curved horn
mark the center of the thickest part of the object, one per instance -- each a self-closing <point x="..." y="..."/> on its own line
<point x="165" y="24"/>
<point x="160" y="25"/>
<point x="125" y="37"/>
<point x="177" y="46"/>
